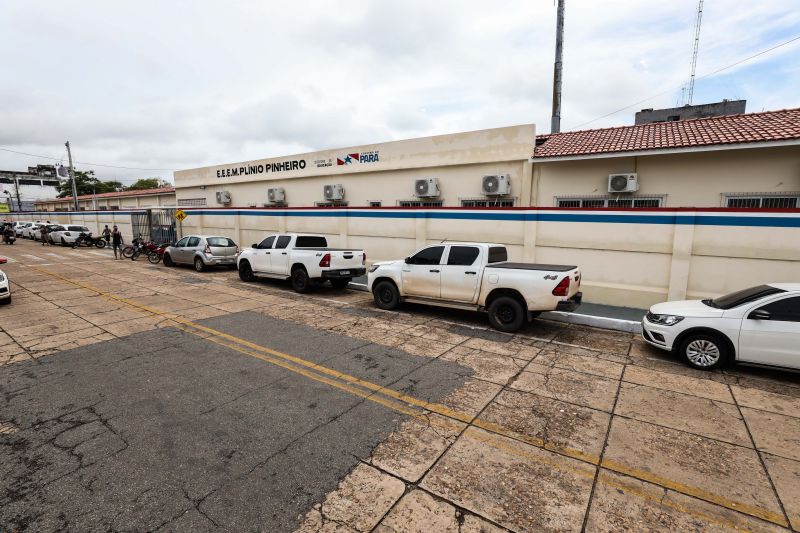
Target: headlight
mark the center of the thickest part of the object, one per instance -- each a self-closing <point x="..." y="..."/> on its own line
<point x="373" y="268"/>
<point x="664" y="320"/>
<point x="2" y="277"/>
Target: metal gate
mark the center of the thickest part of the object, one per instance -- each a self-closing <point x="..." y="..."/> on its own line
<point x="157" y="225"/>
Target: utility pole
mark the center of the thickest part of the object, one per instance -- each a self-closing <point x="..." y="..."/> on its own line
<point x="555" y="121"/>
<point x="16" y="189"/>
<point x="72" y="177"/>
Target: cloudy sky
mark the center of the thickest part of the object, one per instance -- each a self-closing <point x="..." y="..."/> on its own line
<point x="181" y="84"/>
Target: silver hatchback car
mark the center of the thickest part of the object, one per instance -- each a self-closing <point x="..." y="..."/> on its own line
<point x="202" y="251"/>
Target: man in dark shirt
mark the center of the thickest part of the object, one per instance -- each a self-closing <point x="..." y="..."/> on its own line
<point x="116" y="240"/>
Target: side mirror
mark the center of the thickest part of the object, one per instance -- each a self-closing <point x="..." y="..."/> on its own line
<point x="409" y="261"/>
<point x="759" y="314"/>
<point x="255" y="245"/>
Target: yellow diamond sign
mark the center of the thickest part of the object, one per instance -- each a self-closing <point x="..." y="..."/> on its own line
<point x="180" y="215"/>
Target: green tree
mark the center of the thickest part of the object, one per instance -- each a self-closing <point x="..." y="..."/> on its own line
<point x="148" y="183"/>
<point x="87" y="183"/>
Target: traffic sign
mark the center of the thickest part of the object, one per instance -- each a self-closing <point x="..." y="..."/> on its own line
<point x="180" y="215"/>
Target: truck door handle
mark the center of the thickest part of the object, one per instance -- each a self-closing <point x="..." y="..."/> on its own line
<point x="434" y="270"/>
<point x="283" y="253"/>
<point x="266" y="253"/>
<point x="473" y="273"/>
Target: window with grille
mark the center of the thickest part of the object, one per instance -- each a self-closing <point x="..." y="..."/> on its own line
<point x="635" y="202"/>
<point x="114" y="207"/>
<point x="330" y="204"/>
<point x="375" y="204"/>
<point x="420" y="203"/>
<point x="486" y="202"/>
<point x="767" y="201"/>
<point x="192" y="202"/>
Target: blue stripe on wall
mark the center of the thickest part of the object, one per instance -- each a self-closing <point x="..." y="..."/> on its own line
<point x="610" y="218"/>
<point x="700" y="219"/>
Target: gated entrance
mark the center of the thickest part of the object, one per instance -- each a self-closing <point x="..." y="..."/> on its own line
<point x="157" y="225"/>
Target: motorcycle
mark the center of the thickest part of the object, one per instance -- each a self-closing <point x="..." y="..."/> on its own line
<point x="156" y="255"/>
<point x="86" y="239"/>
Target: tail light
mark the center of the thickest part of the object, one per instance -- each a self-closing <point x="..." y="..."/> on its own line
<point x="207" y="251"/>
<point x="562" y="289"/>
<point x="325" y="261"/>
<point x="237" y="250"/>
<point x="364" y="260"/>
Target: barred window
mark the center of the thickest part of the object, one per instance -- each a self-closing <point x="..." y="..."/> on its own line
<point x="634" y="202"/>
<point x="487" y="202"/>
<point x="763" y="201"/>
<point x="375" y="204"/>
<point x="330" y="204"/>
<point x="420" y="203"/>
<point x="192" y="202"/>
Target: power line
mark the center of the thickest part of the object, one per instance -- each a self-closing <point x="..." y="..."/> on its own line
<point x="709" y="74"/>
<point x="84" y="162"/>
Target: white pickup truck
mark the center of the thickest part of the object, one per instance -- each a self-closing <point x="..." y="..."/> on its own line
<point x="305" y="259"/>
<point x="476" y="276"/>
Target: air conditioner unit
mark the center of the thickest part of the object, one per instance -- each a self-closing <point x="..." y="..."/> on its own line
<point x="623" y="183"/>
<point x="223" y="197"/>
<point x="276" y="195"/>
<point x="334" y="192"/>
<point x="426" y="188"/>
<point x="499" y="185"/>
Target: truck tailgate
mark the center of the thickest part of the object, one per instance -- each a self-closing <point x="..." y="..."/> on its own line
<point x="346" y="259"/>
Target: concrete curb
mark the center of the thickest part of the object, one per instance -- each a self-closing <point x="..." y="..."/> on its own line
<point x="617" y="324"/>
<point x="603" y="322"/>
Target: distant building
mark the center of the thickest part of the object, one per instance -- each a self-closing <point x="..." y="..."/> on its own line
<point x="22" y="189"/>
<point x="112" y="201"/>
<point x="673" y="114"/>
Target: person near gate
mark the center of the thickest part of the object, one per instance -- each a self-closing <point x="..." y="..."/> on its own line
<point x="116" y="239"/>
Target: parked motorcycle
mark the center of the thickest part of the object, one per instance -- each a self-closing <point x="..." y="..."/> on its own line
<point x="9" y="235"/>
<point x="156" y="255"/>
<point x="86" y="239"/>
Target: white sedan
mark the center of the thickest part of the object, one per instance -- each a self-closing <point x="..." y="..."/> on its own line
<point x="759" y="325"/>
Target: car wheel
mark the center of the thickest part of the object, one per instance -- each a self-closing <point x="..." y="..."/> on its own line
<point x="704" y="351"/>
<point x="246" y="272"/>
<point x="340" y="283"/>
<point x="386" y="295"/>
<point x="199" y="265"/>
<point x="506" y="314"/>
<point x="168" y="261"/>
<point x="300" y="280"/>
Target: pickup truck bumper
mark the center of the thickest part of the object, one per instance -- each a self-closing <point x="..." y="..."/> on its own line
<point x="344" y="273"/>
<point x="571" y="304"/>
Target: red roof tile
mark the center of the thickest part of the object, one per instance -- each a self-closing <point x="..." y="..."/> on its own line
<point x="121" y="194"/>
<point x="732" y="129"/>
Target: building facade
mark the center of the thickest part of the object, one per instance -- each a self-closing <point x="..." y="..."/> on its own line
<point x="20" y="190"/>
<point x="112" y="201"/>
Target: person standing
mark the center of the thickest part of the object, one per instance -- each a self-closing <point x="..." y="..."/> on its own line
<point x="44" y="232"/>
<point x="116" y="240"/>
<point x="107" y="235"/>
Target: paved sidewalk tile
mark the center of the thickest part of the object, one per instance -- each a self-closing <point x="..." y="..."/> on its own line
<point x="785" y="474"/>
<point x="574" y="387"/>
<point x="774" y="433"/>
<point x="704" y="388"/>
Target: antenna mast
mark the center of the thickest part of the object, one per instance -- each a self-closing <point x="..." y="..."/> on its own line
<point x="697" y="22"/>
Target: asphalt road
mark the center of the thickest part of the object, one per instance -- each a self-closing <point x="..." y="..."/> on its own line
<point x="165" y="430"/>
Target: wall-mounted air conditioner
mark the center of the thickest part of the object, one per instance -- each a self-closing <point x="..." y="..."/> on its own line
<point x="426" y="188"/>
<point x="334" y="192"/>
<point x="618" y="183"/>
<point x="276" y="195"/>
<point x="496" y="185"/>
<point x="223" y="197"/>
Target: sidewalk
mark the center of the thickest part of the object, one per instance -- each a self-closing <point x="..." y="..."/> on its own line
<point x="596" y="315"/>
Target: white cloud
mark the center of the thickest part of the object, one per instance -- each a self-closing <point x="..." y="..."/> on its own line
<point x="177" y="85"/>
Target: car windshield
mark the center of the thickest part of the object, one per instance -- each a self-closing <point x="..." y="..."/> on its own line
<point x="220" y="241"/>
<point x="735" y="299"/>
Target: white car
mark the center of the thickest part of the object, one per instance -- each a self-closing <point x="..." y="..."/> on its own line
<point x="476" y="276"/>
<point x="5" y="286"/>
<point x="759" y="325"/>
<point x="19" y="226"/>
<point x="68" y="234"/>
<point x="28" y="231"/>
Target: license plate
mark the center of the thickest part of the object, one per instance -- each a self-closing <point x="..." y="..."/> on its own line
<point x="344" y="272"/>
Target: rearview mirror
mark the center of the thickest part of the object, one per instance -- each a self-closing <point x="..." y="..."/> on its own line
<point x="255" y="245"/>
<point x="409" y="261"/>
<point x="760" y="314"/>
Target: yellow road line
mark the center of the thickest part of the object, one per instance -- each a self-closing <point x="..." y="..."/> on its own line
<point x="400" y="402"/>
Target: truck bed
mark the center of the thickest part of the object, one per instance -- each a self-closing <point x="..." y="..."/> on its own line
<point x="330" y="249"/>
<point x="532" y="266"/>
